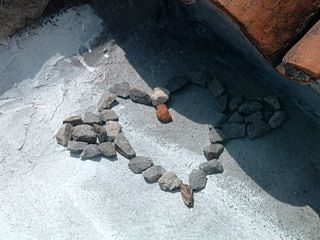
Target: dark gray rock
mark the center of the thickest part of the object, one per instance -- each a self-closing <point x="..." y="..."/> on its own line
<point x="113" y="128"/>
<point x="267" y="113"/>
<point x="176" y="83"/>
<point x="108" y="115"/>
<point x="139" y="96"/>
<point x="120" y="89"/>
<point x="153" y="173"/>
<point x="213" y="151"/>
<point x="277" y="119"/>
<point x="76" y="147"/>
<point x="211" y="167"/>
<point x="139" y="164"/>
<point x="234" y="130"/>
<point x="250" y="107"/>
<point x="73" y="120"/>
<point x="106" y="101"/>
<point x="257" y="116"/>
<point x="90" y="151"/>
<point x="197" y="179"/>
<point x="123" y="146"/>
<point x="222" y="103"/>
<point x="258" y="129"/>
<point x="64" y="134"/>
<point x="84" y="133"/>
<point x="217" y="136"/>
<point x="236" y="118"/>
<point x="91" y="118"/>
<point x="200" y="78"/>
<point x="169" y="181"/>
<point x="107" y="149"/>
<point x="220" y="120"/>
<point x="235" y="103"/>
<point x="273" y="101"/>
<point x="216" y="88"/>
<point x="101" y="133"/>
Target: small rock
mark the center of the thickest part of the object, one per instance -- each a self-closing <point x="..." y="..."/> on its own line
<point x="187" y="195"/>
<point x="139" y="96"/>
<point x="197" y="179"/>
<point x="267" y="113"/>
<point x="123" y="146"/>
<point x="216" y="88"/>
<point x="163" y="114"/>
<point x="236" y="118"/>
<point x="76" y="147"/>
<point x="213" y="151"/>
<point x="277" y="119"/>
<point x="200" y="78"/>
<point x="101" y="133"/>
<point x="257" y="116"/>
<point x="84" y="133"/>
<point x="113" y="128"/>
<point x="217" y="136"/>
<point x="90" y="151"/>
<point x="91" y="118"/>
<point x="64" y="134"/>
<point x="139" y="164"/>
<point x="235" y="103"/>
<point x="234" y="130"/>
<point x="169" y="181"/>
<point x="73" y="120"/>
<point x="106" y="101"/>
<point x="250" y="107"/>
<point x="273" y="101"/>
<point x="153" y="173"/>
<point x="258" y="129"/>
<point x="220" y="120"/>
<point x="211" y="167"/>
<point x="222" y="103"/>
<point x="108" y="115"/>
<point x="177" y="83"/>
<point x="160" y="96"/>
<point x="107" y="149"/>
<point x="121" y="89"/>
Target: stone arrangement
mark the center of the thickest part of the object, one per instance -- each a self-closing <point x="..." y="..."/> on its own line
<point x="100" y="134"/>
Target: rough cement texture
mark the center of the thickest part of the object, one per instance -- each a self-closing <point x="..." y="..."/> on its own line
<point x="267" y="190"/>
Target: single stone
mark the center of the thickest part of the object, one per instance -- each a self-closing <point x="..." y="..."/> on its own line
<point x="222" y="103"/>
<point x="200" y="78"/>
<point x="90" y="151"/>
<point x="216" y="88"/>
<point x="220" y="120"/>
<point x="257" y="116"/>
<point x="258" y="129"/>
<point x="197" y="179"/>
<point x="236" y="118"/>
<point x="123" y="146"/>
<point x="217" y="136"/>
<point x="250" y="107"/>
<point x="267" y="113"/>
<point x="169" y="181"/>
<point x="106" y="101"/>
<point x="139" y="96"/>
<point x="277" y="119"/>
<point x="64" y="134"/>
<point x="176" y="83"/>
<point x="84" y="133"/>
<point x="213" y="151"/>
<point x="187" y="195"/>
<point x="73" y="120"/>
<point x="163" y="113"/>
<point x="153" y="173"/>
<point x="273" y="101"/>
<point x="108" y="115"/>
<point x="76" y="147"/>
<point x="107" y="149"/>
<point x="234" y="130"/>
<point x="121" y="89"/>
<point x="113" y="128"/>
<point x="101" y="133"/>
<point x="139" y="164"/>
<point x="160" y="96"/>
<point x="91" y="118"/>
<point x="211" y="167"/>
<point x="235" y="103"/>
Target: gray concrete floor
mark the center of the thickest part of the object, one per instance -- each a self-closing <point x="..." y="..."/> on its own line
<point x="268" y="190"/>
